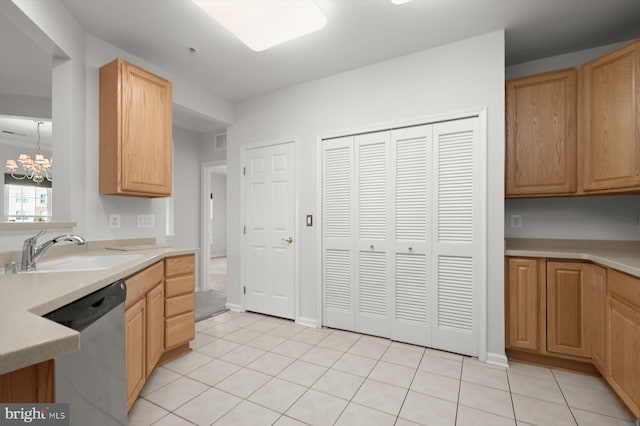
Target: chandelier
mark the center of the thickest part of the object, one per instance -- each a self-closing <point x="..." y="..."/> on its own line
<point x="37" y="168"/>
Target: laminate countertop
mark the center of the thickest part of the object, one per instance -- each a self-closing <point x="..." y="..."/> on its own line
<point x="26" y="337"/>
<point x="621" y="255"/>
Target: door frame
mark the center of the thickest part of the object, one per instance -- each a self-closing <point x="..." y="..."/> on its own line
<point x="205" y="247"/>
<point x="481" y="114"/>
<point x="296" y="222"/>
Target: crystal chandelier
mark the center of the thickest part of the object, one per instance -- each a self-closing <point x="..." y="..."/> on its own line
<point x="37" y="169"/>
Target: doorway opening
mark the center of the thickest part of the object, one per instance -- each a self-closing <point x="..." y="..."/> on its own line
<point x="213" y="297"/>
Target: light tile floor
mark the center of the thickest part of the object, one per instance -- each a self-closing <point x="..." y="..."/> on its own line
<point x="247" y="369"/>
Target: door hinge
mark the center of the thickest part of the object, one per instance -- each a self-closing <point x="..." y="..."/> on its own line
<point x="244" y="290"/>
<point x="244" y="170"/>
<point x="244" y="230"/>
<point x="211" y="196"/>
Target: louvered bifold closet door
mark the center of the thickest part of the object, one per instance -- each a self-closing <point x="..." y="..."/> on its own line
<point x="411" y="194"/>
<point x="456" y="232"/>
<point x="373" y="286"/>
<point x="338" y="222"/>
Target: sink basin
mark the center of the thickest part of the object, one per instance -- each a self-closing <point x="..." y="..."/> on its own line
<point x="85" y="263"/>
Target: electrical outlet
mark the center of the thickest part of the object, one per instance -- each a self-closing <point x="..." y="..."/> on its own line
<point x="114" y="221"/>
<point x="516" y="221"/>
<point x="146" y="221"/>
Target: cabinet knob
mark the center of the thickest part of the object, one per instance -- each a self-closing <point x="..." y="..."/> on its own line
<point x="410" y="248"/>
<point x="371" y="246"/>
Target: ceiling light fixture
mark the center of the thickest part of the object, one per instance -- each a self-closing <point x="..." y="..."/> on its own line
<point x="37" y="169"/>
<point x="261" y="24"/>
<point x="400" y="1"/>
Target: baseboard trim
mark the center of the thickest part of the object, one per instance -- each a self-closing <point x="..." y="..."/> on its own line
<point x="497" y="359"/>
<point x="307" y="322"/>
<point x="233" y="307"/>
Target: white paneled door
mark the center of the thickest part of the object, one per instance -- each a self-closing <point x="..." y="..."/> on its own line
<point x="268" y="261"/>
<point x="401" y="234"/>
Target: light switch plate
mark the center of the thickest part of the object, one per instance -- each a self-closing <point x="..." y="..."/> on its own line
<point x="516" y="221"/>
<point x="146" y="221"/>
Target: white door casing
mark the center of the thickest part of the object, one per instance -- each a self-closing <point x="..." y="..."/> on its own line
<point x="269" y="269"/>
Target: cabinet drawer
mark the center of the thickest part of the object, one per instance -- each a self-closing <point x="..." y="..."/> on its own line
<point x="625" y="287"/>
<point x="180" y="265"/>
<point x="180" y="285"/>
<point x="179" y="329"/>
<point x="139" y="284"/>
<point x="180" y="304"/>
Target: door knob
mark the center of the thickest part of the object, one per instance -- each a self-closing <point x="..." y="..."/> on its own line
<point x="288" y="240"/>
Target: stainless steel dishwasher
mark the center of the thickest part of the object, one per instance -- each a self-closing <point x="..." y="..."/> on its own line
<point x="93" y="379"/>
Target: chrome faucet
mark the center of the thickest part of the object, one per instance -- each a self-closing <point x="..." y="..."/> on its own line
<point x="31" y="253"/>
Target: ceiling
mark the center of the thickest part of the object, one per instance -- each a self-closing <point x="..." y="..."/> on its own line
<point x="358" y="33"/>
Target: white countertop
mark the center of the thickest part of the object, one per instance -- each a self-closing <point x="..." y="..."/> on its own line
<point x="26" y="337"/>
<point x="621" y="255"/>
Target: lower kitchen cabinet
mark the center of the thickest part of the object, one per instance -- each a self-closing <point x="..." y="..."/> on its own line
<point x="623" y="311"/>
<point x="155" y="327"/>
<point x="600" y="320"/>
<point x="32" y="384"/>
<point x="135" y="332"/>
<point x="525" y="307"/>
<point x="568" y="308"/>
<point x="144" y="319"/>
<point x="592" y="320"/>
<point x="179" y="304"/>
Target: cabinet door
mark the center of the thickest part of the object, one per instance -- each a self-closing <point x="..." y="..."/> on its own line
<point x="611" y="92"/>
<point x="568" y="313"/>
<point x="155" y="326"/>
<point x="146" y="132"/>
<point x="624" y="341"/>
<point x="32" y="384"/>
<point x="541" y="134"/>
<point x="135" y="323"/>
<point x="599" y="336"/>
<point x="523" y="304"/>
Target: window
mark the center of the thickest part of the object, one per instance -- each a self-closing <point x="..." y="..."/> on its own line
<point x="26" y="202"/>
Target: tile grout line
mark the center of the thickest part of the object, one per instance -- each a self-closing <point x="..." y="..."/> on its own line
<point x="424" y="353"/>
<point x="513" y="406"/>
<point x="564" y="397"/>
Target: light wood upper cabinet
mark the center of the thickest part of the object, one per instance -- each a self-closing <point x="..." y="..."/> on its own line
<point x="525" y="324"/>
<point x="541" y="134"/>
<point x="135" y="131"/>
<point x="599" y="329"/>
<point x="568" y="308"/>
<point x="611" y="120"/>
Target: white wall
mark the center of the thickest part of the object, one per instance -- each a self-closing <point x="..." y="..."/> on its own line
<point x="612" y="217"/>
<point x="219" y="231"/>
<point x="460" y="76"/>
<point x="209" y="152"/>
<point x="584" y="218"/>
<point x="25" y="106"/>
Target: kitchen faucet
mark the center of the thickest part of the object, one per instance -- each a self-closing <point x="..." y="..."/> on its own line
<point x="31" y="253"/>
